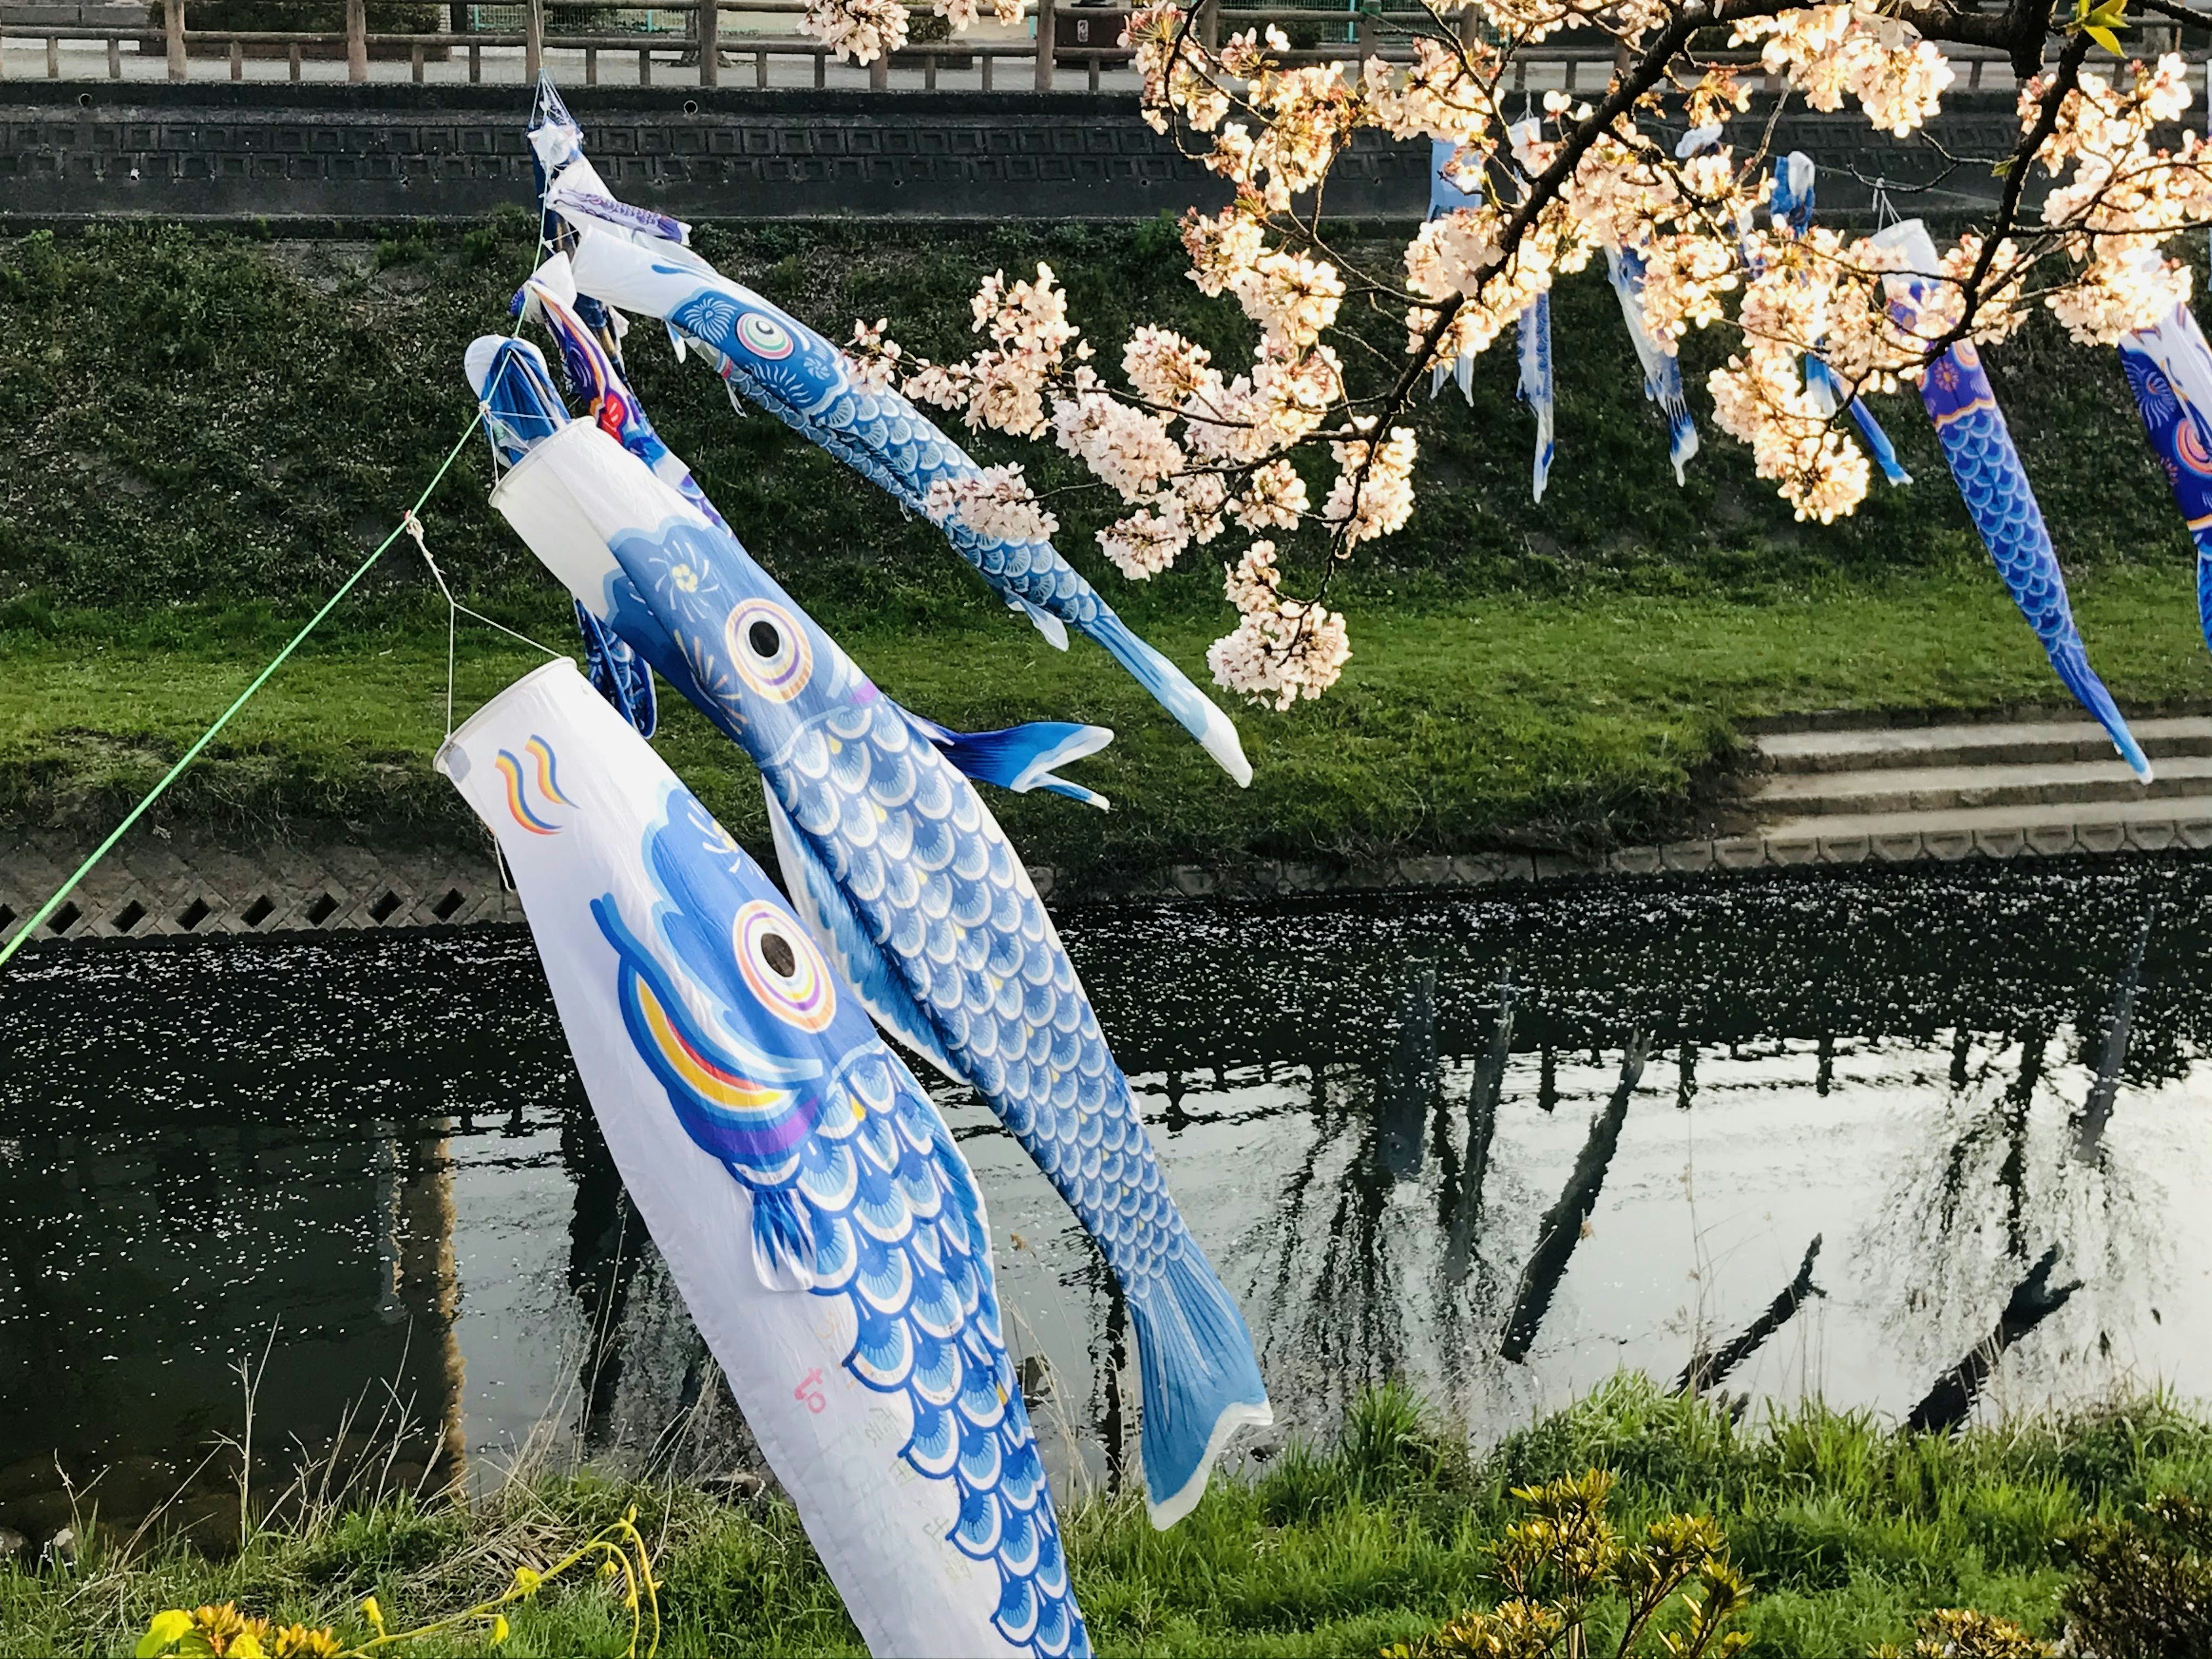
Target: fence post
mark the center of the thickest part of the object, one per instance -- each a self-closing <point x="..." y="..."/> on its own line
<point x="1209" y="25"/>
<point x="356" y="27"/>
<point x="533" y="40"/>
<point x="710" y="45"/>
<point x="1047" y="27"/>
<point x="172" y="24"/>
<point x="1365" y="33"/>
<point x="1470" y="26"/>
<point x="879" y="72"/>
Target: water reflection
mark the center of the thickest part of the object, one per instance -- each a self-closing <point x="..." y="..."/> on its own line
<point x="1911" y="1139"/>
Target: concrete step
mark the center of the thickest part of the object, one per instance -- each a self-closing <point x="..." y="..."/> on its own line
<point x="2075" y="826"/>
<point x="2009" y="743"/>
<point x="1949" y="788"/>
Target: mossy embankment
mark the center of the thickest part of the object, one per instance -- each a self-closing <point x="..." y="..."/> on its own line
<point x="207" y="431"/>
<point x="1851" y="1533"/>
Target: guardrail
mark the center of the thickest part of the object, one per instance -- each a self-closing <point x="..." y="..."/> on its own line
<point x="1071" y="36"/>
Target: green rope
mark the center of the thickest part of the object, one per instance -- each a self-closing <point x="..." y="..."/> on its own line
<point x="259" y="680"/>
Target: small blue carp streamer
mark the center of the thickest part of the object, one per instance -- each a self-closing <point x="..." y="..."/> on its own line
<point x="2170" y="372"/>
<point x="770" y="360"/>
<point x="1663" y="370"/>
<point x="1791" y="205"/>
<point x="1978" y="448"/>
<point x="908" y="886"/>
<point x="827" y="1236"/>
<point x="1446" y="193"/>
<point x="1535" y="385"/>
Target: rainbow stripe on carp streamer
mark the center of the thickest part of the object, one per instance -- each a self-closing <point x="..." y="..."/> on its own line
<point x="1978" y="448"/>
<point x="828" y="1237"/>
<point x="909" y="888"/>
<point x="622" y="256"/>
<point x="2170" y="371"/>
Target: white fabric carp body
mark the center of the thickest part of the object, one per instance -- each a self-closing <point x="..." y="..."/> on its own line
<point x="827" y="1235"/>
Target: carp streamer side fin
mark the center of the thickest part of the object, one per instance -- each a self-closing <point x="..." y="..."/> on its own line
<point x="1020" y="758"/>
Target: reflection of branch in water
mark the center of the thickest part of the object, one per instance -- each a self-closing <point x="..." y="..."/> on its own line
<point x="1459" y="1198"/>
<point x="1484" y="1093"/>
<point x="1547" y="1081"/>
<point x="1406" y="1086"/>
<point x="599" y="1267"/>
<point x="1561" y="1229"/>
<point x="2032" y="1302"/>
<point x="1685" y="1076"/>
<point x="1707" y="1370"/>
<point x="2097" y="1110"/>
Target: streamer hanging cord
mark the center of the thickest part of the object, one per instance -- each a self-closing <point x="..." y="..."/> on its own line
<point x="455" y="609"/>
<point x="38" y="918"/>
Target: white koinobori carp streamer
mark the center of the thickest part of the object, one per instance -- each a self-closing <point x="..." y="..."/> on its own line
<point x="908" y="886"/>
<point x="635" y="261"/>
<point x="826" y="1235"/>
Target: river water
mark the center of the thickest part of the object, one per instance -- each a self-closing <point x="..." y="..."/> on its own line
<point x="1883" y="1122"/>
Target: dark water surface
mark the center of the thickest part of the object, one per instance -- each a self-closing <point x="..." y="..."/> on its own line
<point x="1410" y="1131"/>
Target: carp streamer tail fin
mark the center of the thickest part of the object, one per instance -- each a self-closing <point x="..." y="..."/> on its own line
<point x="1201" y="1382"/>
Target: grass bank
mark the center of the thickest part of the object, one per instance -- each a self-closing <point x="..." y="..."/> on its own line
<point x="209" y="430"/>
<point x="1851" y="1533"/>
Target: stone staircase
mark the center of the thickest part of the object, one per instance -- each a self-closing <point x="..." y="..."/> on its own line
<point x="2035" y="787"/>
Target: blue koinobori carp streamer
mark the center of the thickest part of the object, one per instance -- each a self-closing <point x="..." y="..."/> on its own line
<point x="827" y="1236"/>
<point x="1534" y="326"/>
<point x="1663" y="370"/>
<point x="637" y="261"/>
<point x="1791" y="206"/>
<point x="1447" y="194"/>
<point x="2170" y="371"/>
<point x="907" y="885"/>
<point x="1978" y="448"/>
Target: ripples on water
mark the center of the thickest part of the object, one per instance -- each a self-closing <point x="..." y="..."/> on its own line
<point x="1398" y="1124"/>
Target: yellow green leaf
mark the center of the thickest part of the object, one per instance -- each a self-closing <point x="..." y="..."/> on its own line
<point x="374" y="1613"/>
<point x="498" y="1629"/>
<point x="163" y="1632"/>
<point x="244" y="1646"/>
<point x="2103" y="37"/>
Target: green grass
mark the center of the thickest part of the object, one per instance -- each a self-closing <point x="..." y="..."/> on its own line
<point x="1851" y="1532"/>
<point x="209" y="430"/>
<point x="1566" y="721"/>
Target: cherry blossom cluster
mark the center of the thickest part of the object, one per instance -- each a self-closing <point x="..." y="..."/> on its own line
<point x="1287" y="442"/>
<point x="1829" y="52"/>
<point x="2124" y="199"/>
<point x="1283" y="648"/>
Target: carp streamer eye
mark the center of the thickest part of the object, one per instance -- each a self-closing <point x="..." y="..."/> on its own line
<point x="783" y="968"/>
<point x="770" y="649"/>
<point x="763" y="337"/>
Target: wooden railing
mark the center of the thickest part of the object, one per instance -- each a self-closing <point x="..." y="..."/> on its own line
<point x="1366" y="34"/>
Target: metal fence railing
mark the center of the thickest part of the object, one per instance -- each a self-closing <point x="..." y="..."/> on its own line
<point x="1065" y="37"/>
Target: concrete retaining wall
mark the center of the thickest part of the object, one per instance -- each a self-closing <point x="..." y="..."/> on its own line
<point x="179" y="885"/>
<point x="306" y="156"/>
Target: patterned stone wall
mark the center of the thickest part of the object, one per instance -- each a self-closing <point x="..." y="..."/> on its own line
<point x="158" y="886"/>
<point x="316" y="155"/>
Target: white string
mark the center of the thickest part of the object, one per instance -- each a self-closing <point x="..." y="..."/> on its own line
<point x="455" y="610"/>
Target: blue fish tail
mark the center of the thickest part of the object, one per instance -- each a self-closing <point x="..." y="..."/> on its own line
<point x="1201" y="1382"/>
<point x="1192" y="709"/>
<point x="2204" y="594"/>
<point x="2072" y="662"/>
<point x="618" y="673"/>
